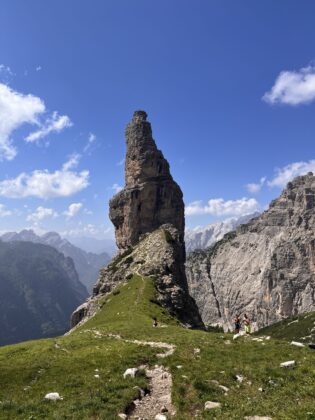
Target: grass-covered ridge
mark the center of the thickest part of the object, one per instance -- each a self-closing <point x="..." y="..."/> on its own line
<point x="298" y="328"/>
<point x="67" y="365"/>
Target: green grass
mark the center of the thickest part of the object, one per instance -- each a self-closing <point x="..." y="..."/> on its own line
<point x="30" y="370"/>
<point x="298" y="328"/>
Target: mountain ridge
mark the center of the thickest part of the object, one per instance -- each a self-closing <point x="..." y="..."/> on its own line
<point x="265" y="267"/>
<point x="205" y="236"/>
<point x="39" y="288"/>
<point x="87" y="264"/>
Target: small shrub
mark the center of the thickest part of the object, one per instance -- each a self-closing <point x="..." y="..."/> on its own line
<point x="129" y="260"/>
<point x="168" y="237"/>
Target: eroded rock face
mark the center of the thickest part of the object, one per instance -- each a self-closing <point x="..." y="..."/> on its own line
<point x="266" y="268"/>
<point x="151" y="197"/>
<point x="159" y="255"/>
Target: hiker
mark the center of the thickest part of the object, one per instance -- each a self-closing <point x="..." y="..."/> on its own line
<point x="246" y="322"/>
<point x="155" y="323"/>
<point x="237" y="324"/>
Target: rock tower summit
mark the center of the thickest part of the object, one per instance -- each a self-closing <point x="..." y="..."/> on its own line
<point x="151" y="197"/>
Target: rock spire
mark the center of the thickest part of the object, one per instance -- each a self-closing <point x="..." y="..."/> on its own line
<point x="151" y="197"/>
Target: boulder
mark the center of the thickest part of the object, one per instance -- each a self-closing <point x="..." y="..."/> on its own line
<point x="288" y="364"/>
<point x="53" y="396"/>
<point x="209" y="405"/>
<point x="132" y="372"/>
<point x="297" y="344"/>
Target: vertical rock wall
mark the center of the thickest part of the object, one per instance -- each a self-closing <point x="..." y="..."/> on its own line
<point x="151" y="197"/>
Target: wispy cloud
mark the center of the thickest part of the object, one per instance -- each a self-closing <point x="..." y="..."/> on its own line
<point x="293" y="87"/>
<point x="4" y="212"/>
<point x="91" y="140"/>
<point x="5" y="72"/>
<point x="38" y="68"/>
<point x="256" y="187"/>
<point x="220" y="207"/>
<point x="45" y="184"/>
<point x="91" y="231"/>
<point x="56" y="123"/>
<point x="121" y="162"/>
<point x="41" y="213"/>
<point x="16" y="109"/>
<point x="116" y="188"/>
<point x="72" y="162"/>
<point x="288" y="172"/>
<point x="73" y="209"/>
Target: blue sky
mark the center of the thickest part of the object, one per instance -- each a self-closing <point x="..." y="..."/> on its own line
<point x="229" y="87"/>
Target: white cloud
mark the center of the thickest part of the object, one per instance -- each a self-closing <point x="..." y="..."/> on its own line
<point x="90" y="230"/>
<point x="91" y="140"/>
<point x="116" y="188"/>
<point x="4" y="212"/>
<point x="45" y="184"/>
<point x="73" y="209"/>
<point x="293" y="87"/>
<point x="220" y="207"/>
<point x="72" y="162"/>
<point x="287" y="173"/>
<point x="41" y="213"/>
<point x="56" y="123"/>
<point x="5" y="71"/>
<point x="88" y="212"/>
<point x="38" y="68"/>
<point x="16" y="109"/>
<point x="256" y="187"/>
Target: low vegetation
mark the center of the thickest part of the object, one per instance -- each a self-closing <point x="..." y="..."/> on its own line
<point x="68" y="365"/>
<point x="298" y="328"/>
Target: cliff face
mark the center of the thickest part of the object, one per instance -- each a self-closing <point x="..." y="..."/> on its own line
<point x="151" y="197"/>
<point x="39" y="288"/>
<point x="265" y="268"/>
<point x="148" y="215"/>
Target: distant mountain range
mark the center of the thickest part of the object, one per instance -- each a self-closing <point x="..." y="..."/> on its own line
<point x="87" y="264"/>
<point x="97" y="246"/>
<point x="39" y="288"/>
<point x="203" y="237"/>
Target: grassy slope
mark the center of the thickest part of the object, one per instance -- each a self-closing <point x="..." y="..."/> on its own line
<point x="298" y="328"/>
<point x="69" y="368"/>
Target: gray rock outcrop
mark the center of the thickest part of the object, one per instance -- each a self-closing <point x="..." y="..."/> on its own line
<point x="151" y="197"/>
<point x="266" y="268"/>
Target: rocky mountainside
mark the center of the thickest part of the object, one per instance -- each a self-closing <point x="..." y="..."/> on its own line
<point x="39" y="288"/>
<point x="266" y="268"/>
<point x="148" y="215"/>
<point x="203" y="237"/>
<point x="87" y="264"/>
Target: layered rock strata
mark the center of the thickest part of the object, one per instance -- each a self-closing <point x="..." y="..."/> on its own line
<point x="266" y="268"/>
